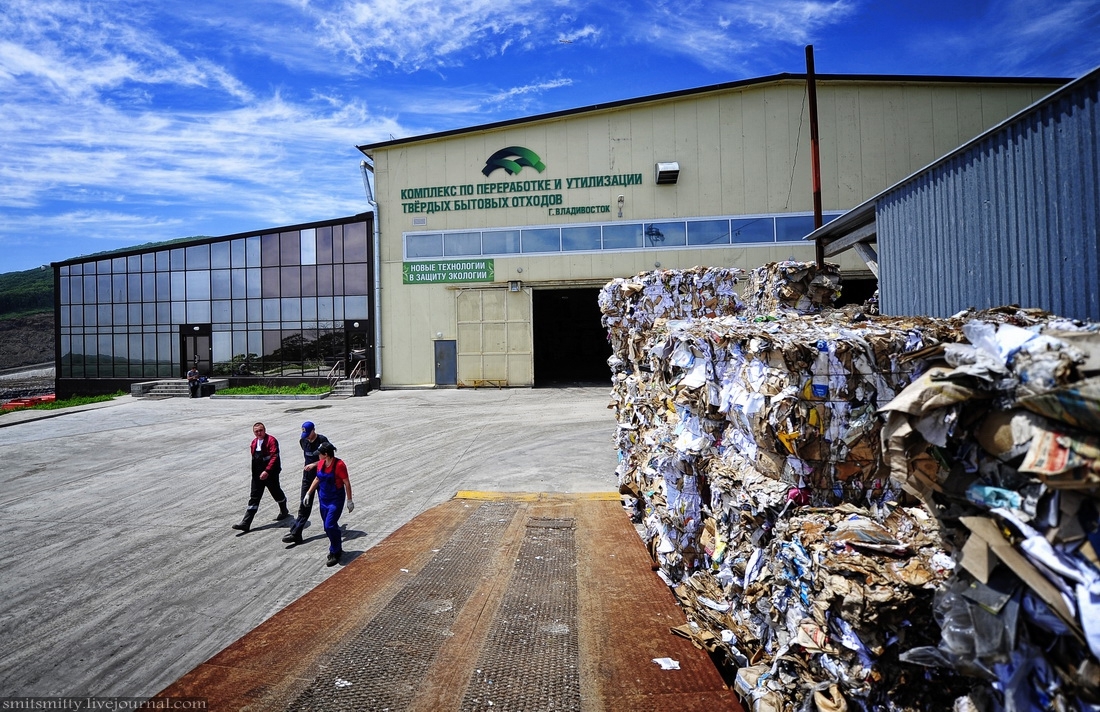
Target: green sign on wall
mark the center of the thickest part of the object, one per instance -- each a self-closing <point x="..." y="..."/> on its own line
<point x="447" y="271"/>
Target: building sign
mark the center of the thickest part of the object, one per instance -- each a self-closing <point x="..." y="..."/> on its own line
<point x="512" y="160"/>
<point x="447" y="271"/>
<point x="544" y="193"/>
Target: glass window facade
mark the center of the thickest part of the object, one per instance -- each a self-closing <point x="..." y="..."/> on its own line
<point x="275" y="304"/>
<point x="702" y="232"/>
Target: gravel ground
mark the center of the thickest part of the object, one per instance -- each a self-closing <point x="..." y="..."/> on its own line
<point x="26" y="382"/>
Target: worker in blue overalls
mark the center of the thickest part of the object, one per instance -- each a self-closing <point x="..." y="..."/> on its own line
<point x="333" y="488"/>
<point x="310" y="441"/>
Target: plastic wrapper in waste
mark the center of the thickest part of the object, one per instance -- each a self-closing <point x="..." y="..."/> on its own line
<point x="1001" y="439"/>
<point x="861" y="512"/>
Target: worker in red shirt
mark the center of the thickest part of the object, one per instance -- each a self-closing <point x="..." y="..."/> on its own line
<point x="266" y="466"/>
<point x="333" y="487"/>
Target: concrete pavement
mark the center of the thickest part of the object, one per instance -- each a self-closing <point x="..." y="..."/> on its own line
<point x="119" y="570"/>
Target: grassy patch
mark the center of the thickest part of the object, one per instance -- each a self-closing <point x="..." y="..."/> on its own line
<point x="302" y="389"/>
<point x="67" y="403"/>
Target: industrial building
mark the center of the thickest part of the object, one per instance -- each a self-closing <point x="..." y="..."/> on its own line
<point x="482" y="258"/>
<point x="494" y="240"/>
<point x="1010" y="217"/>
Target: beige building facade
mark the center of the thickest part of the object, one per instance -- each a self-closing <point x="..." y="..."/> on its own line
<point x="492" y="240"/>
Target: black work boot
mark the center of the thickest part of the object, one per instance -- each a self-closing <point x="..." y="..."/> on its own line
<point x="246" y="521"/>
<point x="283" y="512"/>
<point x="294" y="536"/>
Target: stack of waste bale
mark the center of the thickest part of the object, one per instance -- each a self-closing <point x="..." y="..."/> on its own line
<point x="751" y="448"/>
<point x="1001" y="438"/>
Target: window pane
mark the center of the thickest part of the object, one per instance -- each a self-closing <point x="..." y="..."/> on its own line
<point x="355" y="279"/>
<point x="236" y="253"/>
<point x="133" y="288"/>
<point x="179" y="282"/>
<point x="198" y="257"/>
<point x="104" y="315"/>
<point x="253" y="281"/>
<point x="221" y="311"/>
<point x="133" y="263"/>
<point x="355" y="307"/>
<point x="309" y="247"/>
<point x="270" y="280"/>
<point x="148" y="262"/>
<point x="324" y="245"/>
<point x="134" y="310"/>
<point x="337" y="244"/>
<point x="752" y="230"/>
<point x="794" y="227"/>
<point x="500" y="242"/>
<point x="580" y="238"/>
<point x="622" y="237"/>
<point x="290" y="248"/>
<point x="220" y="284"/>
<point x="291" y="282"/>
<point x="708" y="232"/>
<point x="103" y="289"/>
<point x="89" y="289"/>
<point x="103" y="267"/>
<point x="671" y="234"/>
<point x="176" y="259"/>
<point x="324" y="280"/>
<point x="252" y="251"/>
<point x="198" y="284"/>
<point x="461" y="243"/>
<point x="291" y="309"/>
<point x="309" y="281"/>
<point x="219" y="255"/>
<point x="164" y="287"/>
<point x="269" y="250"/>
<point x="271" y="309"/>
<point x="118" y="314"/>
<point x="162" y="261"/>
<point x="543" y="240"/>
<point x="423" y="246"/>
<point x="198" y="312"/>
<point x="355" y="242"/>
<point x="118" y="265"/>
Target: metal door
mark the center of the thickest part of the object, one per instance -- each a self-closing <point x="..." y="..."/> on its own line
<point x="357" y="345"/>
<point x="195" y="349"/>
<point x="446" y="362"/>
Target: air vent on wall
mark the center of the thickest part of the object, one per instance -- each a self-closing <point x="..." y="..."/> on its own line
<point x="667" y="173"/>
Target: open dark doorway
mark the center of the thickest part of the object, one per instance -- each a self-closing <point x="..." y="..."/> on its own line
<point x="856" y="291"/>
<point x="570" y="344"/>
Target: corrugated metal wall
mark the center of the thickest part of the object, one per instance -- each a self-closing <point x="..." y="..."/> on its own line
<point x="1010" y="219"/>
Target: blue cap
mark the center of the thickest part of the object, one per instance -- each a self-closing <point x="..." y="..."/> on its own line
<point x="307" y="428"/>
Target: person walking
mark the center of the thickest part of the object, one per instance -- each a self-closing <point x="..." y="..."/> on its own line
<point x="333" y="488"/>
<point x="266" y="466"/>
<point x="310" y="441"/>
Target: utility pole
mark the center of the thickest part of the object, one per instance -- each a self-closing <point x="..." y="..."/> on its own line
<point x="815" y="159"/>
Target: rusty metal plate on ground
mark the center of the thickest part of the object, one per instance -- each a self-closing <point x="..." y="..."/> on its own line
<point x="383" y="665"/>
<point x="530" y="658"/>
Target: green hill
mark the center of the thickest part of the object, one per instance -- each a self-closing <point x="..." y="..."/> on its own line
<point x="26" y="292"/>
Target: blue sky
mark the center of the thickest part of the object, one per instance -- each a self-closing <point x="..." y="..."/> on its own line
<point x="125" y="122"/>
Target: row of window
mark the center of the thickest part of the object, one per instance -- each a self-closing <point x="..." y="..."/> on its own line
<point x="612" y="236"/>
<point x="328" y="245"/>
<point x="191" y="285"/>
<point x="218" y="311"/>
<point x="269" y="352"/>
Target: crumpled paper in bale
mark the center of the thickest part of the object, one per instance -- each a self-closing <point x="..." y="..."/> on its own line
<point x="803" y="287"/>
<point x="728" y="448"/>
<point x="1001" y="441"/>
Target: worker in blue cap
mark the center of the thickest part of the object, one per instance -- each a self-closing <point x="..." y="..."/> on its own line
<point x="310" y="441"/>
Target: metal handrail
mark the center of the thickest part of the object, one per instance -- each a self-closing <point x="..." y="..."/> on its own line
<point x="335" y="374"/>
<point x="357" y="372"/>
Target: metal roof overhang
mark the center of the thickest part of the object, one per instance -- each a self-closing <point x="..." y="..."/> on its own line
<point x="854" y="229"/>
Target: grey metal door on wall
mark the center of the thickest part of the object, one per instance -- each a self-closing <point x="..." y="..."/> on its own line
<point x="195" y="348"/>
<point x="446" y="362"/>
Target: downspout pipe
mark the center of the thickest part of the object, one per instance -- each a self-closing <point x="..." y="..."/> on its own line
<point x="367" y="168"/>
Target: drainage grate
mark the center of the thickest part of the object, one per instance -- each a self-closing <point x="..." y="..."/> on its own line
<point x="383" y="665"/>
<point x="529" y="660"/>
